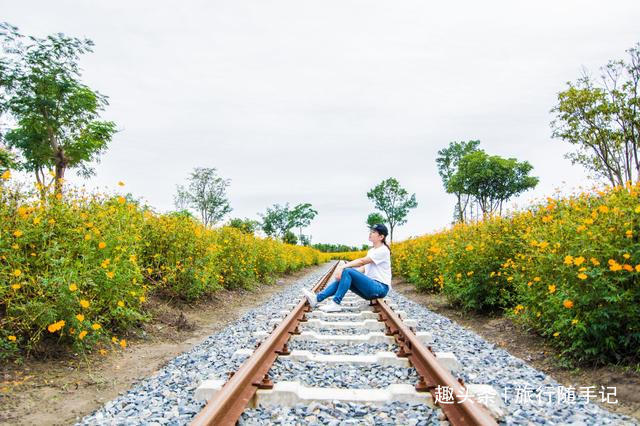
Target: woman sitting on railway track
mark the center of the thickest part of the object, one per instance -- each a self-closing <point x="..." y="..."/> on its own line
<point x="371" y="279"/>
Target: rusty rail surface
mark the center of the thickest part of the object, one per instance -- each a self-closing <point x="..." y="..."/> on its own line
<point x="463" y="411"/>
<point x="226" y="407"/>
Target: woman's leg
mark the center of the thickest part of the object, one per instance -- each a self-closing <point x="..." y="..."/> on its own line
<point x="328" y="291"/>
<point x="356" y="291"/>
<point x="368" y="288"/>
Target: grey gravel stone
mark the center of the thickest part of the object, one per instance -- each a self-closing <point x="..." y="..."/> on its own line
<point x="167" y="397"/>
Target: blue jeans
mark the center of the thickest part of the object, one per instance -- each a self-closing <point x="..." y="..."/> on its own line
<point x="358" y="283"/>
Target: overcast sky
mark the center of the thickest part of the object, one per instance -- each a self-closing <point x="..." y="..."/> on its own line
<point x="318" y="101"/>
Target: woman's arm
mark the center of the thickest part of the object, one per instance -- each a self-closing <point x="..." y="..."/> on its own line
<point x="357" y="263"/>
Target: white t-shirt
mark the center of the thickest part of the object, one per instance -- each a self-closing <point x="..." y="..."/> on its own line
<point x="380" y="269"/>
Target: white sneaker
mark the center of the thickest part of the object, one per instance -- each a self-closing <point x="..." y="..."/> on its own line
<point x="311" y="297"/>
<point x="331" y="307"/>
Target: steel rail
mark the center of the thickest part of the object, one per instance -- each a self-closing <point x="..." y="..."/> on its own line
<point x="462" y="410"/>
<point x="226" y="407"/>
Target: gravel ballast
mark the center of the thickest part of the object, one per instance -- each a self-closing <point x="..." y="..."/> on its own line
<point x="167" y="398"/>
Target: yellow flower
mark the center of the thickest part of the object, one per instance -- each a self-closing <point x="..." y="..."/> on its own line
<point x="80" y="317"/>
<point x="82" y="334"/>
<point x="103" y="351"/>
<point x="603" y="209"/>
<point x="552" y="288"/>
<point x="627" y="267"/>
<point x="55" y="326"/>
<point x="122" y="200"/>
<point x="15" y="286"/>
<point x="102" y="245"/>
<point x="121" y="303"/>
<point x="574" y="321"/>
<point x="568" y="304"/>
<point x="556" y="334"/>
<point x="149" y="270"/>
<point x="52" y="221"/>
<point x="123" y="343"/>
<point x="637" y="209"/>
<point x="588" y="221"/>
<point x="536" y="279"/>
<point x="110" y="274"/>
<point x="73" y="287"/>
<point x="568" y="260"/>
<point x="594" y="261"/>
<point x="96" y="326"/>
<point x="84" y="303"/>
<point x="12" y="338"/>
<point x="582" y="276"/>
<point x="547" y="218"/>
<point x="17" y="272"/>
<point x="114" y="339"/>
<point x="467" y="248"/>
<point x="578" y="260"/>
<point x="36" y="220"/>
<point x="142" y="299"/>
<point x="6" y="175"/>
<point x="18" y="233"/>
<point x="626" y="255"/>
<point x="87" y="237"/>
<point x="121" y="183"/>
<point x="15" y="246"/>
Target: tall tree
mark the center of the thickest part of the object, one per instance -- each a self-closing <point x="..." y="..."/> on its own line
<point x="205" y="193"/>
<point x="302" y="215"/>
<point x="280" y="219"/>
<point x="393" y="201"/>
<point x="447" y="162"/>
<point x="56" y="116"/>
<point x="491" y="180"/>
<point x="277" y="220"/>
<point x="603" y="121"/>
<point x="374" y="218"/>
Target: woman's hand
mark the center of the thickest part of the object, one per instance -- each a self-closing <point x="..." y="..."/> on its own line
<point x="338" y="272"/>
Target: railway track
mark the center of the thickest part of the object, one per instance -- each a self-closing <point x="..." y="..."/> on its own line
<point x="251" y="385"/>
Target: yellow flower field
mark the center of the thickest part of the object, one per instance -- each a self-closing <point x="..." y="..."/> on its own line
<point x="567" y="268"/>
<point x="76" y="270"/>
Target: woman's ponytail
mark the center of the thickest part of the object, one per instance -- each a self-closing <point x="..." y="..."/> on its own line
<point x="384" y="241"/>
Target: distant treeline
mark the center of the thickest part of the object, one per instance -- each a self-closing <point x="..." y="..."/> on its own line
<point x="335" y="248"/>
